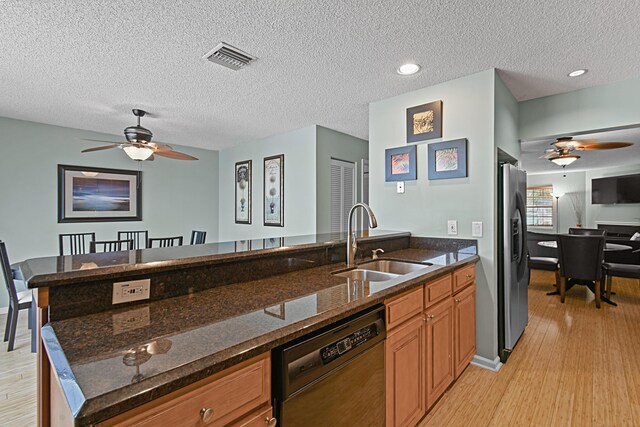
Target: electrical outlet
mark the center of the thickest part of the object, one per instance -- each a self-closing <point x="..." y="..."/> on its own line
<point x="400" y="187"/>
<point x="452" y="226"/>
<point x="130" y="320"/>
<point x="476" y="229"/>
<point x="133" y="290"/>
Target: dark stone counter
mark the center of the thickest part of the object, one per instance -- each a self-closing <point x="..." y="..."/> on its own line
<point x="112" y="361"/>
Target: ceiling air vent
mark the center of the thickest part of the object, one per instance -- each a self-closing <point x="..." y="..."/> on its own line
<point x="229" y="56"/>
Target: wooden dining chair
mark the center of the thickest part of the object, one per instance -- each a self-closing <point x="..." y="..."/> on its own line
<point x="581" y="259"/>
<point x="75" y="243"/>
<point x="164" y="242"/>
<point x="198" y="237"/>
<point x="110" y="245"/>
<point x="17" y="300"/>
<point x="139" y="238"/>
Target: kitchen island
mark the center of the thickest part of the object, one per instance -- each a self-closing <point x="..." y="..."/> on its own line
<point x="105" y="362"/>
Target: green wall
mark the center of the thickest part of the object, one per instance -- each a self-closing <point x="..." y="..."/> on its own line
<point x="333" y="144"/>
<point x="601" y="107"/>
<point x="177" y="196"/>
<point x="425" y="207"/>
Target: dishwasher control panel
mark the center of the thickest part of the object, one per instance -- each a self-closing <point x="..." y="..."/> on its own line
<point x="359" y="337"/>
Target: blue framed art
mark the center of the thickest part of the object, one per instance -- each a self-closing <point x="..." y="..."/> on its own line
<point x="400" y="163"/>
<point x="447" y="159"/>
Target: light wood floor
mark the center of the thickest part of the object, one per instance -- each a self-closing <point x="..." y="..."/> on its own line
<point x="574" y="365"/>
<point x="18" y="378"/>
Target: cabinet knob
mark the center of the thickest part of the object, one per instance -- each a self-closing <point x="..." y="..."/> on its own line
<point x="468" y="276"/>
<point x="206" y="414"/>
<point x="270" y="422"/>
<point x="457" y="300"/>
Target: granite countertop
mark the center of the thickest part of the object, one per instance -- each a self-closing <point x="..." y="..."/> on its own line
<point x="60" y="270"/>
<point x="127" y="357"/>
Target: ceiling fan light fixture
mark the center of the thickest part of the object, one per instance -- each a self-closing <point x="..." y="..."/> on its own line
<point x="408" y="69"/>
<point x="565" y="160"/>
<point x="577" y="73"/>
<point x="138" y="153"/>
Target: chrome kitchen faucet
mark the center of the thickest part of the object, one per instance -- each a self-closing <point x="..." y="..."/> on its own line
<point x="352" y="245"/>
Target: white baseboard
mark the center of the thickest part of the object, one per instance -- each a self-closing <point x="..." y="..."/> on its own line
<point x="482" y="362"/>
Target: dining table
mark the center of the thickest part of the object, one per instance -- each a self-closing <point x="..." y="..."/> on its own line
<point x="609" y="247"/>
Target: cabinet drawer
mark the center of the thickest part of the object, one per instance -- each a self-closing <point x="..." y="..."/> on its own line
<point x="227" y="398"/>
<point x="437" y="290"/>
<point x="260" y="418"/>
<point x="463" y="277"/>
<point x="403" y="307"/>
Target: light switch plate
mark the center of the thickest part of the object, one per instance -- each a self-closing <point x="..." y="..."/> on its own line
<point x="400" y="187"/>
<point x="452" y="226"/>
<point x="476" y="229"/>
<point x="133" y="290"/>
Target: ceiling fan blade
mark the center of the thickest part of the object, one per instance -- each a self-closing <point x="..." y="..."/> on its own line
<point x="161" y="146"/>
<point x="101" y="140"/>
<point x="174" y="155"/>
<point x="550" y="155"/>
<point x="104" y="147"/>
<point x="604" y="146"/>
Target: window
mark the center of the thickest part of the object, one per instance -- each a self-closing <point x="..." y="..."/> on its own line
<point x="540" y="206"/>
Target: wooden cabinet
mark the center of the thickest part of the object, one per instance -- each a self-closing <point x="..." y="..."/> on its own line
<point x="464" y="326"/>
<point x="405" y="374"/>
<point x="431" y="339"/>
<point x="439" y="349"/>
<point x="238" y="396"/>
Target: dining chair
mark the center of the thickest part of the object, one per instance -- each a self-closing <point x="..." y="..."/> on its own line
<point x="542" y="258"/>
<point x="139" y="238"/>
<point x="110" y="245"/>
<point x="581" y="259"/>
<point x="614" y="269"/>
<point x="164" y="242"/>
<point x="17" y="300"/>
<point x="198" y="237"/>
<point x="78" y="243"/>
<point x="588" y="232"/>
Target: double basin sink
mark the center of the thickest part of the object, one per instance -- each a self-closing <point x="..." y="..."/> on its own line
<point x="381" y="270"/>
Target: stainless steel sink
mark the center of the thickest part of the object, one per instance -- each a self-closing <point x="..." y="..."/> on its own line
<point x="365" y="275"/>
<point x="392" y="266"/>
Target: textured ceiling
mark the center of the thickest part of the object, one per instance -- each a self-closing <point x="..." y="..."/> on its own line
<point x="589" y="160"/>
<point x="86" y="63"/>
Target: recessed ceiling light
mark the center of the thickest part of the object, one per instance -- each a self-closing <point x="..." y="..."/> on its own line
<point x="577" y="73"/>
<point x="408" y="69"/>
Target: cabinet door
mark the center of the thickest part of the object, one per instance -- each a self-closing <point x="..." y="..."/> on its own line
<point x="439" y="337"/>
<point x="464" y="328"/>
<point x="405" y="373"/>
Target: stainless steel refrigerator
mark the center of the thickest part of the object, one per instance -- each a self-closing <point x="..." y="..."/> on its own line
<point x="513" y="271"/>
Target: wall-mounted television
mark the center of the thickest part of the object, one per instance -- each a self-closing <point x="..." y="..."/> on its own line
<point x="615" y="189"/>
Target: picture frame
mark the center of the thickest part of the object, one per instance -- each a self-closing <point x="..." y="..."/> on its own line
<point x="401" y="163"/>
<point x="273" y="207"/>
<point x="242" y="245"/>
<point x="424" y="122"/>
<point x="90" y="194"/>
<point x="447" y="159"/>
<point x="243" y="195"/>
<point x="273" y="242"/>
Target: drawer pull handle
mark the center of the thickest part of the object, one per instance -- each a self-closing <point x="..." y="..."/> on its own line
<point x="468" y="276"/>
<point x="271" y="422"/>
<point x="206" y="414"/>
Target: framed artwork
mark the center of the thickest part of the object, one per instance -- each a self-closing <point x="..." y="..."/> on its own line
<point x="242" y="245"/>
<point x="448" y="159"/>
<point x="274" y="191"/>
<point x="400" y="163"/>
<point x="273" y="242"/>
<point x="424" y="122"/>
<point x="88" y="194"/>
<point x="243" y="192"/>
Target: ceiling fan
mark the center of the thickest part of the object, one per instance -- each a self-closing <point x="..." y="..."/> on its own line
<point x="138" y="145"/>
<point x="562" y="151"/>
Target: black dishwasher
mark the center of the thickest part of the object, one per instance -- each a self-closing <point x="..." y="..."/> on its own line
<point x="333" y="377"/>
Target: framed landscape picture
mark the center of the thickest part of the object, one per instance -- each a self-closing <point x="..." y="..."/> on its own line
<point x="448" y="159"/>
<point x="243" y="192"/>
<point x="400" y="163"/>
<point x="88" y="194"/>
<point x="424" y="122"/>
<point x="274" y="191"/>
